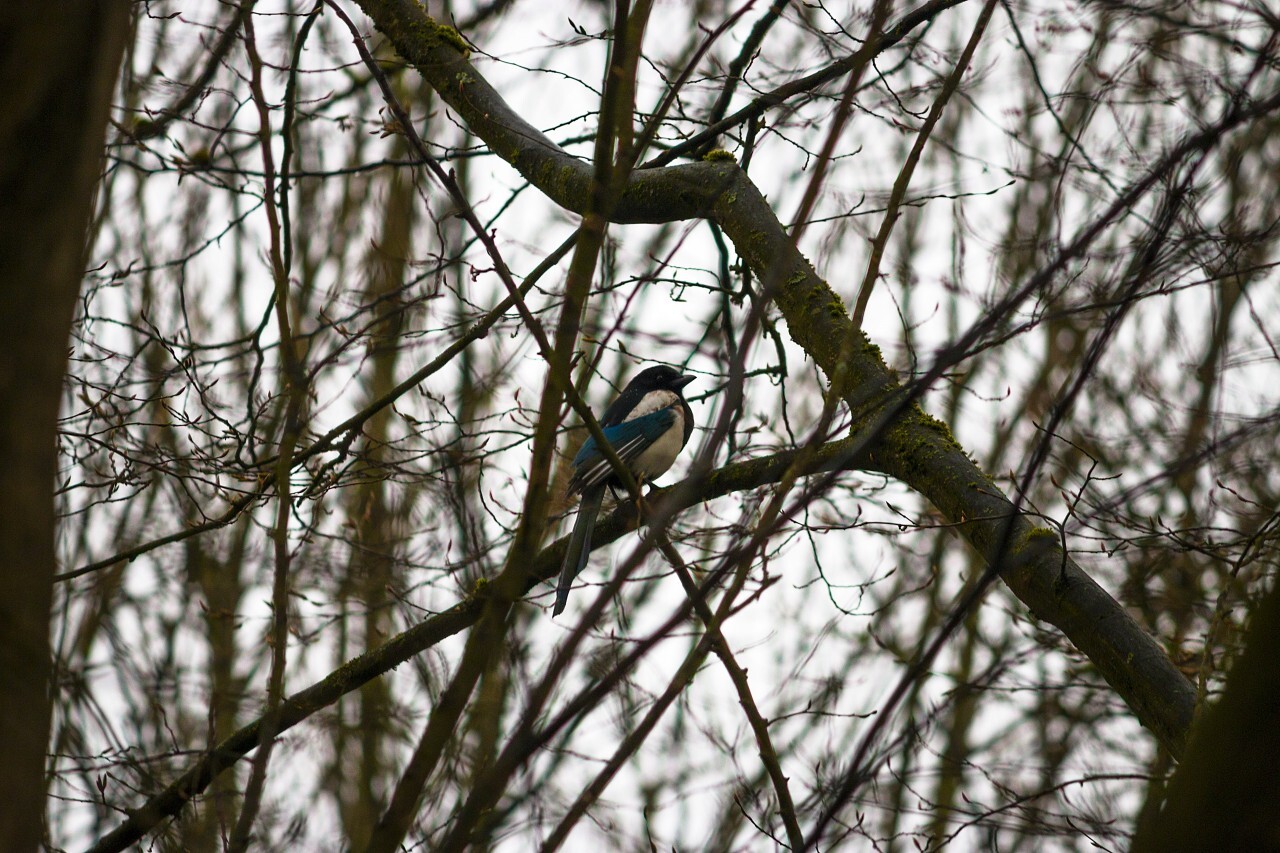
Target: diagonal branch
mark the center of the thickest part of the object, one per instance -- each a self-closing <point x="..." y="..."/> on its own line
<point x="906" y="443"/>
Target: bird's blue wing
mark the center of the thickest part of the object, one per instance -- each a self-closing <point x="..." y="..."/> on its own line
<point x="629" y="439"/>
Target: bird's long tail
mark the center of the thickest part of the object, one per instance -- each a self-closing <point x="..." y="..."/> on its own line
<point x="575" y="556"/>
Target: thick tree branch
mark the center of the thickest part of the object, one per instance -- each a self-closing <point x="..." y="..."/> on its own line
<point x="910" y="445"/>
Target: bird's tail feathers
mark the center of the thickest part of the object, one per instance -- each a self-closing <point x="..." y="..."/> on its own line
<point x="575" y="556"/>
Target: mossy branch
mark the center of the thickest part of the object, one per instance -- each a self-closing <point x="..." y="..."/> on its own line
<point x="905" y="443"/>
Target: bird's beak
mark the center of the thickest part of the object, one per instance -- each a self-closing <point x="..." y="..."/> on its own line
<point x="684" y="380"/>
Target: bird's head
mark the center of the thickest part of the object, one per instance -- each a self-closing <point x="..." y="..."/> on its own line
<point x="660" y="378"/>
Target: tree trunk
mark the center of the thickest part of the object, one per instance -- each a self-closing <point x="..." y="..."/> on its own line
<point x="1226" y="793"/>
<point x="57" y="70"/>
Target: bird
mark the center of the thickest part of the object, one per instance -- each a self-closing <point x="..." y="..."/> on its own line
<point x="647" y="426"/>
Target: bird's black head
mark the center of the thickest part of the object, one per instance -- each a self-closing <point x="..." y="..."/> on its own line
<point x="659" y="378"/>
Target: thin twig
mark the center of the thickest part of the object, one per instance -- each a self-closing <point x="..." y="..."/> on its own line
<point x="295" y="382"/>
<point x="738" y="675"/>
<point x="903" y="180"/>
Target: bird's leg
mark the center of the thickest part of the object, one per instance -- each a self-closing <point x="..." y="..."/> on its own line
<point x="642" y="502"/>
<point x="622" y="502"/>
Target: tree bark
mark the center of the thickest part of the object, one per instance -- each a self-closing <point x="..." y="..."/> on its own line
<point x="57" y="71"/>
<point x="1226" y="793"/>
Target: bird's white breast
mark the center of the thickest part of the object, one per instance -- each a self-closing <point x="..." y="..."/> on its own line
<point x="659" y="456"/>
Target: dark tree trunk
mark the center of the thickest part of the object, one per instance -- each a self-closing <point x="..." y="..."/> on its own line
<point x="57" y="68"/>
<point x="1226" y="793"/>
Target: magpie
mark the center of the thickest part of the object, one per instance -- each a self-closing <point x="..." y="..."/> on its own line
<point x="647" y="426"/>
